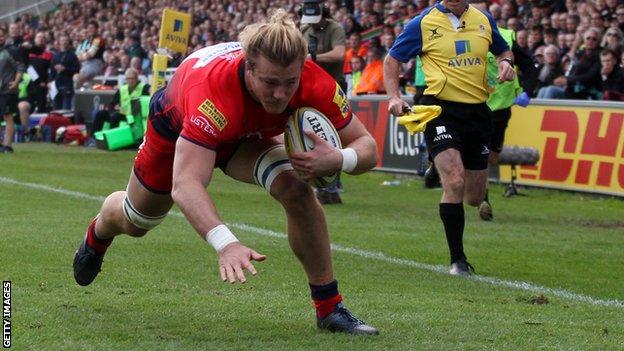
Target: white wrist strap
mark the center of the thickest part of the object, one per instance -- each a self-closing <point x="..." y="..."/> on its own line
<point x="349" y="159"/>
<point x="220" y="236"/>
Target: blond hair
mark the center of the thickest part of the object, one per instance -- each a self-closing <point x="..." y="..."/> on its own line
<point x="278" y="40"/>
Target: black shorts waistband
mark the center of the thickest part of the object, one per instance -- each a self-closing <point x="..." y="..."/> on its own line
<point x="432" y="100"/>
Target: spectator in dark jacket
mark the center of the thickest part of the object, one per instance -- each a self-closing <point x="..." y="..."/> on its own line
<point x="550" y="70"/>
<point x="40" y="59"/>
<point x="612" y="76"/>
<point x="64" y="65"/>
<point x="135" y="49"/>
<point x="583" y="78"/>
<point x="583" y="81"/>
<point x="15" y="42"/>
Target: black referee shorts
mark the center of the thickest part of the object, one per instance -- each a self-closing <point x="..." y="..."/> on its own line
<point x="8" y="104"/>
<point x="500" y="120"/>
<point x="464" y="127"/>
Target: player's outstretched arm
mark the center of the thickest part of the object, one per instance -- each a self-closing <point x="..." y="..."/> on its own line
<point x="192" y="172"/>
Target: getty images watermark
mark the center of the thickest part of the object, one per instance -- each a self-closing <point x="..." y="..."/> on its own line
<point x="6" y="314"/>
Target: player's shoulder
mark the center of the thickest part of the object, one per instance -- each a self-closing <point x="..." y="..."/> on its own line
<point x="319" y="90"/>
<point x="312" y="74"/>
<point x="211" y="55"/>
<point x="211" y="69"/>
<point x="476" y="14"/>
<point x="314" y="80"/>
<point x="428" y="16"/>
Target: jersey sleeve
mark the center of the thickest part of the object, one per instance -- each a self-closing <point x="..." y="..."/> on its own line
<point x="499" y="45"/>
<point x="325" y="95"/>
<point x="409" y="43"/>
<point x="204" y="123"/>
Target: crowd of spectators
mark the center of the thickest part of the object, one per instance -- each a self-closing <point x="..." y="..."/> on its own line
<point x="577" y="46"/>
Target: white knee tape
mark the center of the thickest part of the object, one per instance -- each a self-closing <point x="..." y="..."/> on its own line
<point x="269" y="165"/>
<point x="138" y="219"/>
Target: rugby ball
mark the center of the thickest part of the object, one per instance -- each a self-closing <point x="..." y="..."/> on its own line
<point x="295" y="140"/>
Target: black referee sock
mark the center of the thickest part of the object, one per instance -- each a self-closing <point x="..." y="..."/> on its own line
<point x="452" y="216"/>
<point x="486" y="198"/>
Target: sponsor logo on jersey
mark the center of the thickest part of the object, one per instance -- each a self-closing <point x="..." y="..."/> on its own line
<point x="340" y="99"/>
<point x="462" y="47"/>
<point x="443" y="137"/>
<point x="208" y="109"/>
<point x="464" y="61"/>
<point x="434" y="33"/>
<point x="442" y="134"/>
<point x="203" y="124"/>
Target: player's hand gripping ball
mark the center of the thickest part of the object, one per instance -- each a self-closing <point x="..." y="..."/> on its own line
<point x="309" y="119"/>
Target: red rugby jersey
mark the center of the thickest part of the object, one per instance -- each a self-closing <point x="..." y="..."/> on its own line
<point x="207" y="103"/>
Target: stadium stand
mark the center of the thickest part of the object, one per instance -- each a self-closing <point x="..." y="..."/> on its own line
<point x="130" y="29"/>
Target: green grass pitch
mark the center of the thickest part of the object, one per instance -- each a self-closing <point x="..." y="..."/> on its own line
<point x="550" y="268"/>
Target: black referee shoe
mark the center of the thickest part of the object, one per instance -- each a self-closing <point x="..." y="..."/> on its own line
<point x="432" y="178"/>
<point x="485" y="211"/>
<point x="87" y="264"/>
<point x="342" y="321"/>
<point x="461" y="268"/>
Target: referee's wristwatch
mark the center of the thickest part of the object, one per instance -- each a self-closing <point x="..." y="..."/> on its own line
<point x="508" y="59"/>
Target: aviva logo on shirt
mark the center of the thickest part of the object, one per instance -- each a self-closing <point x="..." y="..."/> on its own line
<point x="463" y="47"/>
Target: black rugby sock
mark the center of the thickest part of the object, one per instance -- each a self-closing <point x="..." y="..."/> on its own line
<point x="452" y="216"/>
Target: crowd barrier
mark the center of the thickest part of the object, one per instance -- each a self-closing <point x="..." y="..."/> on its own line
<point x="581" y="143"/>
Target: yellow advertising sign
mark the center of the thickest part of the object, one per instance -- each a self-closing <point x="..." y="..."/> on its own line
<point x="581" y="148"/>
<point x="159" y="68"/>
<point x="174" y="31"/>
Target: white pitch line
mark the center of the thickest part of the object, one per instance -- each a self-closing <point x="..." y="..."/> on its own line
<point x="380" y="256"/>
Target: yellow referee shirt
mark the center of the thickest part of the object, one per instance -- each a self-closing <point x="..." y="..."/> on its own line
<point x="453" y="51"/>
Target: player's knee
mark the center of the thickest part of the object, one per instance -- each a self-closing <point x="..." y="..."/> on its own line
<point x="23" y="106"/>
<point x="137" y="223"/>
<point x="111" y="216"/>
<point x="270" y="165"/>
<point x="289" y="189"/>
<point x="454" y="179"/>
<point x="133" y="230"/>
